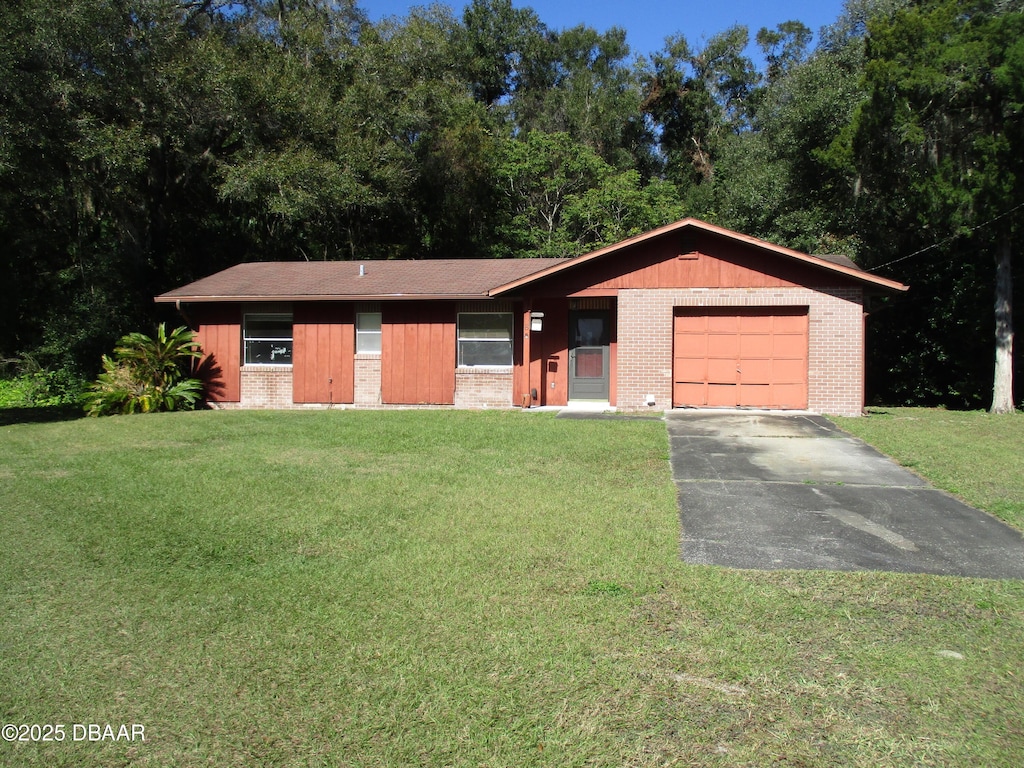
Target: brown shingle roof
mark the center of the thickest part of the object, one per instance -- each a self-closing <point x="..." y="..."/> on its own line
<point x="449" y="278"/>
<point x="835" y="258"/>
<point x="338" y="280"/>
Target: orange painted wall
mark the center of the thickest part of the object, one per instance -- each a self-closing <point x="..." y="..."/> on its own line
<point x="418" y="353"/>
<point x="218" y="330"/>
<point x="323" y="353"/>
<point x="549" y="353"/>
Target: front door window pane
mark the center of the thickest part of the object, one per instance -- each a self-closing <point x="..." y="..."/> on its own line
<point x="589" y="363"/>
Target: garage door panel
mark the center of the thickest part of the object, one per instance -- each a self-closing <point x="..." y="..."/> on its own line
<point x="723" y="324"/>
<point x="755" y="345"/>
<point x="691" y="345"/>
<point x="754" y="357"/>
<point x="790" y="346"/>
<point x="789" y="371"/>
<point x="689" y="392"/>
<point x="722" y="371"/>
<point x="755" y="323"/>
<point x="723" y="345"/>
<point x="756" y="371"/>
<point x="753" y="395"/>
<point x="789" y="395"/>
<point x="691" y="372"/>
<point x="691" y="324"/>
<point x="721" y="396"/>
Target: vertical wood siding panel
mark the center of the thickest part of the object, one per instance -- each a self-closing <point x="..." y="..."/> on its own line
<point x="303" y="355"/>
<point x="219" y="333"/>
<point x="323" y="365"/>
<point x="344" y="340"/>
<point x="326" y="356"/>
<point x="449" y="356"/>
<point x="613" y="358"/>
<point x="411" y="373"/>
<point x="418" y="356"/>
<point x="397" y="361"/>
<point x="391" y="352"/>
<point x="300" y="359"/>
<point x="437" y="379"/>
<point x="549" y="352"/>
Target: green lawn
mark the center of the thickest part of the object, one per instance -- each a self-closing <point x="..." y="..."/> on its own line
<point x="452" y="588"/>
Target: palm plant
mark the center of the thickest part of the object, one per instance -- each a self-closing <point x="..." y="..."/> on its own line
<point x="146" y="375"/>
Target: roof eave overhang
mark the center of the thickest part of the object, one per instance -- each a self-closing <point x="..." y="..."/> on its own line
<point x="196" y="299"/>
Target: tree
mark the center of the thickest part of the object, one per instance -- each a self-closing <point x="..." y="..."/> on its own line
<point x="697" y="98"/>
<point x="579" y="81"/>
<point x="621" y="207"/>
<point x="943" y="124"/>
<point x="784" y="179"/>
<point x="495" y="40"/>
<point x="784" y="47"/>
<point x="538" y="177"/>
<point x="117" y="119"/>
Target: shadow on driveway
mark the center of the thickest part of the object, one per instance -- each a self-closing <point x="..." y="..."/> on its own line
<point x="766" y="491"/>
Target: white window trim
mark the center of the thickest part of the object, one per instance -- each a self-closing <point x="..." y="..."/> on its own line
<point x="361" y="333"/>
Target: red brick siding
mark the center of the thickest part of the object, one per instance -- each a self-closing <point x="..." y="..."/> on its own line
<point x="265" y="386"/>
<point x="835" y="355"/>
<point x="483" y="388"/>
<point x="367" y="384"/>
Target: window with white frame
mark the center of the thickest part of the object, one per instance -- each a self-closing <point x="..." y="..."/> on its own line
<point x="368" y="332"/>
<point x="485" y="338"/>
<point x="267" y="339"/>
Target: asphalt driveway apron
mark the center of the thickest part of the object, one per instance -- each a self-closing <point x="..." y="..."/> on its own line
<point x="765" y="491"/>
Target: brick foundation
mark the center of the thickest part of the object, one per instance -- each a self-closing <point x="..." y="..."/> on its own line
<point x="835" y="362"/>
<point x="267" y="387"/>
<point x="483" y="388"/>
<point x="367" y="385"/>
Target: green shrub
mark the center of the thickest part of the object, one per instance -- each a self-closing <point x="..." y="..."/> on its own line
<point x="146" y="375"/>
<point x="39" y="389"/>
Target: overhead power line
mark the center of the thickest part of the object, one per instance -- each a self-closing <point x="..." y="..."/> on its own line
<point x="949" y="239"/>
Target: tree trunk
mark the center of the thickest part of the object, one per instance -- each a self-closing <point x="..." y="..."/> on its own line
<point x="1002" y="389"/>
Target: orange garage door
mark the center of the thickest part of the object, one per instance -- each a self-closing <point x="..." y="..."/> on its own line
<point x="751" y="357"/>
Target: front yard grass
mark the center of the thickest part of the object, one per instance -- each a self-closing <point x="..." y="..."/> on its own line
<point x="451" y="588"/>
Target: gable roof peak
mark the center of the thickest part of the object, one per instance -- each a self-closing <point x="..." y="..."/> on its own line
<point x="844" y="266"/>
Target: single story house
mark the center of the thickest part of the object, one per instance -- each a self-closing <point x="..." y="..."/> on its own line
<point x="689" y="314"/>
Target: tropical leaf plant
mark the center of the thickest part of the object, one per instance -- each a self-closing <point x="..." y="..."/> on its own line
<point x="146" y="375"/>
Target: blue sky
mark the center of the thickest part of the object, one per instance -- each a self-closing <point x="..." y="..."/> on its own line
<point x="648" y="22"/>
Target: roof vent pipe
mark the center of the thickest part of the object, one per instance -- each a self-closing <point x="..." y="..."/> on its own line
<point x="362" y="270"/>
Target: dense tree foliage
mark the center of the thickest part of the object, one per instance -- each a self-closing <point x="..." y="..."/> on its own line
<point x="144" y="143"/>
<point x="944" y="124"/>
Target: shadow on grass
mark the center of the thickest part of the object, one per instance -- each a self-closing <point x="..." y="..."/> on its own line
<point x="40" y="415"/>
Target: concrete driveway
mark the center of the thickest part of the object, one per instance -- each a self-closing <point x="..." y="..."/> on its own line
<point x="766" y="491"/>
